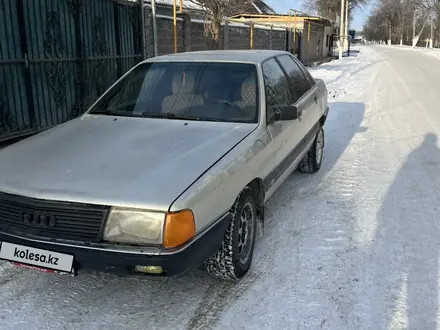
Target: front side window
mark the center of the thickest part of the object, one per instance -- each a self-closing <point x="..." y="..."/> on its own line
<point x="276" y="84"/>
<point x="186" y="90"/>
<point x="297" y="78"/>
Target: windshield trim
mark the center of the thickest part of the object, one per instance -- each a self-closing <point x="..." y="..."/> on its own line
<point x="93" y="110"/>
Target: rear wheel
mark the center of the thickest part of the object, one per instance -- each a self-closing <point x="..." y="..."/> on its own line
<point x="311" y="162"/>
<point x="233" y="260"/>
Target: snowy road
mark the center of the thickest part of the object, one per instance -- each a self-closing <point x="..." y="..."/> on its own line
<point x="355" y="246"/>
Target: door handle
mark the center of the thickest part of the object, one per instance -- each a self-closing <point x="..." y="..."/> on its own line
<point x="316" y="99"/>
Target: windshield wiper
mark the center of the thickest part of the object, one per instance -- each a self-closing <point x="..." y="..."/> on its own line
<point x="108" y="112"/>
<point x="170" y="115"/>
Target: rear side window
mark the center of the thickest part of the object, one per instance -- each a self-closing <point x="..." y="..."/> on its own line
<point x="308" y="76"/>
<point x="298" y="80"/>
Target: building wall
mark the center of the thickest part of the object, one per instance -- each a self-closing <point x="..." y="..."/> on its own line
<point x="313" y="43"/>
<point x="327" y="47"/>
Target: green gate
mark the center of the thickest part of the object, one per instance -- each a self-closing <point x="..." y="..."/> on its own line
<point x="56" y="55"/>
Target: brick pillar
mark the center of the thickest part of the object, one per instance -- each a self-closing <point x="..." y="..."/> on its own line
<point x="289" y="41"/>
<point x="186" y="30"/>
<point x="226" y="35"/>
<point x="270" y="37"/>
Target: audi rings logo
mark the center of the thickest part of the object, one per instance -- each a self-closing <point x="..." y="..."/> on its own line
<point x="39" y="220"/>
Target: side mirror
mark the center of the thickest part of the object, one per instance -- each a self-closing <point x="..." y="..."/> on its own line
<point x="288" y="112"/>
<point x="283" y="112"/>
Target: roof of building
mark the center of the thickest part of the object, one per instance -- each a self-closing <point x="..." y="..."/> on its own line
<point x="242" y="56"/>
<point x="287" y="19"/>
<point x="257" y="6"/>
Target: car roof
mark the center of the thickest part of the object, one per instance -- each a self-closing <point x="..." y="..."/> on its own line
<point x="237" y="56"/>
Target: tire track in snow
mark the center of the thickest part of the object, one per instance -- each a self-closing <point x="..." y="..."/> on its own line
<point x="217" y="298"/>
<point x="385" y="125"/>
<point x="342" y="192"/>
<point x="399" y="121"/>
<point x="334" y="241"/>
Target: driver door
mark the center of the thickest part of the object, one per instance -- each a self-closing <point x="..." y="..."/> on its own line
<point x="284" y="133"/>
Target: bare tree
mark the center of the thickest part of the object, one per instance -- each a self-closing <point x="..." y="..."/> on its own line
<point x="331" y="8"/>
<point x="398" y="16"/>
<point x="216" y="11"/>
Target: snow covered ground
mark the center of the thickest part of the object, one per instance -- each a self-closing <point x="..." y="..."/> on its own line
<point x="435" y="52"/>
<point x="354" y="246"/>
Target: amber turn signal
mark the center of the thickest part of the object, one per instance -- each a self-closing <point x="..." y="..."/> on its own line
<point x="179" y="228"/>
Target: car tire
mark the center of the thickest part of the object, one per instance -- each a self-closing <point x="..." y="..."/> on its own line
<point x="311" y="162"/>
<point x="234" y="257"/>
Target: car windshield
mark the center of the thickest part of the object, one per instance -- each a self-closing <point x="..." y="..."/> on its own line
<point x="209" y="91"/>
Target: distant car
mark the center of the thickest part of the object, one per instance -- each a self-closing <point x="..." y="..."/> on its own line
<point x="167" y="171"/>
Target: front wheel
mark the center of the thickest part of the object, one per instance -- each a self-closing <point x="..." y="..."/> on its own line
<point x="311" y="162"/>
<point x="233" y="260"/>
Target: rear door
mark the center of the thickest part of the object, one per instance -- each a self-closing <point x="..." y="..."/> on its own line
<point x="317" y="93"/>
<point x="287" y="141"/>
<point x="306" y="92"/>
<point x="314" y="88"/>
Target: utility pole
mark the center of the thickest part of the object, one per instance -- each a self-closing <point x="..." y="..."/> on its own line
<point x="389" y="40"/>
<point x="402" y="26"/>
<point x="142" y="17"/>
<point x="175" y="25"/>
<point x="414" y="28"/>
<point x="431" y="41"/>
<point x="341" y="28"/>
<point x="346" y="24"/>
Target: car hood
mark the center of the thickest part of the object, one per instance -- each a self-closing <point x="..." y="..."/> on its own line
<point x="120" y="161"/>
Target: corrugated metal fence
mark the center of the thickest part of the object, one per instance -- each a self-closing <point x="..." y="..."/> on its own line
<point x="56" y="54"/>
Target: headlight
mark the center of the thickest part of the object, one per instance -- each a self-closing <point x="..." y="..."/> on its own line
<point x="134" y="227"/>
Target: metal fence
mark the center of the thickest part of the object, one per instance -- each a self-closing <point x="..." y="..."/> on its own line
<point x="56" y="54"/>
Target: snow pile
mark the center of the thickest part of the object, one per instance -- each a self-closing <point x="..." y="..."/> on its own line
<point x="338" y="74"/>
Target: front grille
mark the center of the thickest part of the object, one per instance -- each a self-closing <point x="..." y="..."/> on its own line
<point x="73" y="221"/>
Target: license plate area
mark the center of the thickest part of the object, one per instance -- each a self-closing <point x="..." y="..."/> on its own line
<point x="39" y="259"/>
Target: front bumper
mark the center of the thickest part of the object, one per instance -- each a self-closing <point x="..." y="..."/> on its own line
<point x="175" y="262"/>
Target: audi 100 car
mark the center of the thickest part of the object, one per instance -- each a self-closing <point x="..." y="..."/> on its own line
<point x="167" y="171"/>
